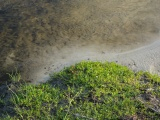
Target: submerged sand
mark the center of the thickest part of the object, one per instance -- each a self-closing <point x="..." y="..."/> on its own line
<point x="39" y="37"/>
<point x="145" y="58"/>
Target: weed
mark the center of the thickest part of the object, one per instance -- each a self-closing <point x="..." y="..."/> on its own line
<point x="15" y="77"/>
<point x="94" y="90"/>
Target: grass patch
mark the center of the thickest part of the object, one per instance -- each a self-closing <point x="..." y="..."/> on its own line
<point x="89" y="90"/>
<point x="15" y="77"/>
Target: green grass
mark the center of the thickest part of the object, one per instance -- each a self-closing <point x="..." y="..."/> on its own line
<point x="85" y="91"/>
<point x="15" y="77"/>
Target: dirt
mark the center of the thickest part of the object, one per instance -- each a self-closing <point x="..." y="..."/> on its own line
<point x="44" y="34"/>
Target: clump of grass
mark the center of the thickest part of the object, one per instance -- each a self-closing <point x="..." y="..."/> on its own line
<point x="88" y="90"/>
<point x="15" y="76"/>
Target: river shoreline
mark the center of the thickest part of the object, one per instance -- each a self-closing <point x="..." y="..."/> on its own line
<point x="41" y="37"/>
<point x="146" y="58"/>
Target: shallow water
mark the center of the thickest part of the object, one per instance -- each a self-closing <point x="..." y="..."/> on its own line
<point x="32" y="29"/>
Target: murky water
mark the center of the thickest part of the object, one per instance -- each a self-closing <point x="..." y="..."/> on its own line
<point x="36" y="28"/>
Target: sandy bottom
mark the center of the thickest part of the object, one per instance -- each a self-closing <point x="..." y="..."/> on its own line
<point x="39" y="37"/>
<point x="145" y="58"/>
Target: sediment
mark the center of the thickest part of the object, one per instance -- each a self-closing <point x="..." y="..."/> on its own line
<point x="37" y="36"/>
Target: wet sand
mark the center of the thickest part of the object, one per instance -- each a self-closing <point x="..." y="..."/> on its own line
<point x="39" y="37"/>
<point x="144" y="58"/>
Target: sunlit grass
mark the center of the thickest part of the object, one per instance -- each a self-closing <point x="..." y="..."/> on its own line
<point x="14" y="77"/>
<point x="87" y="90"/>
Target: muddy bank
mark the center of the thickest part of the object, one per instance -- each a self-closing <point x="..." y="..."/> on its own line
<point x="36" y="33"/>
